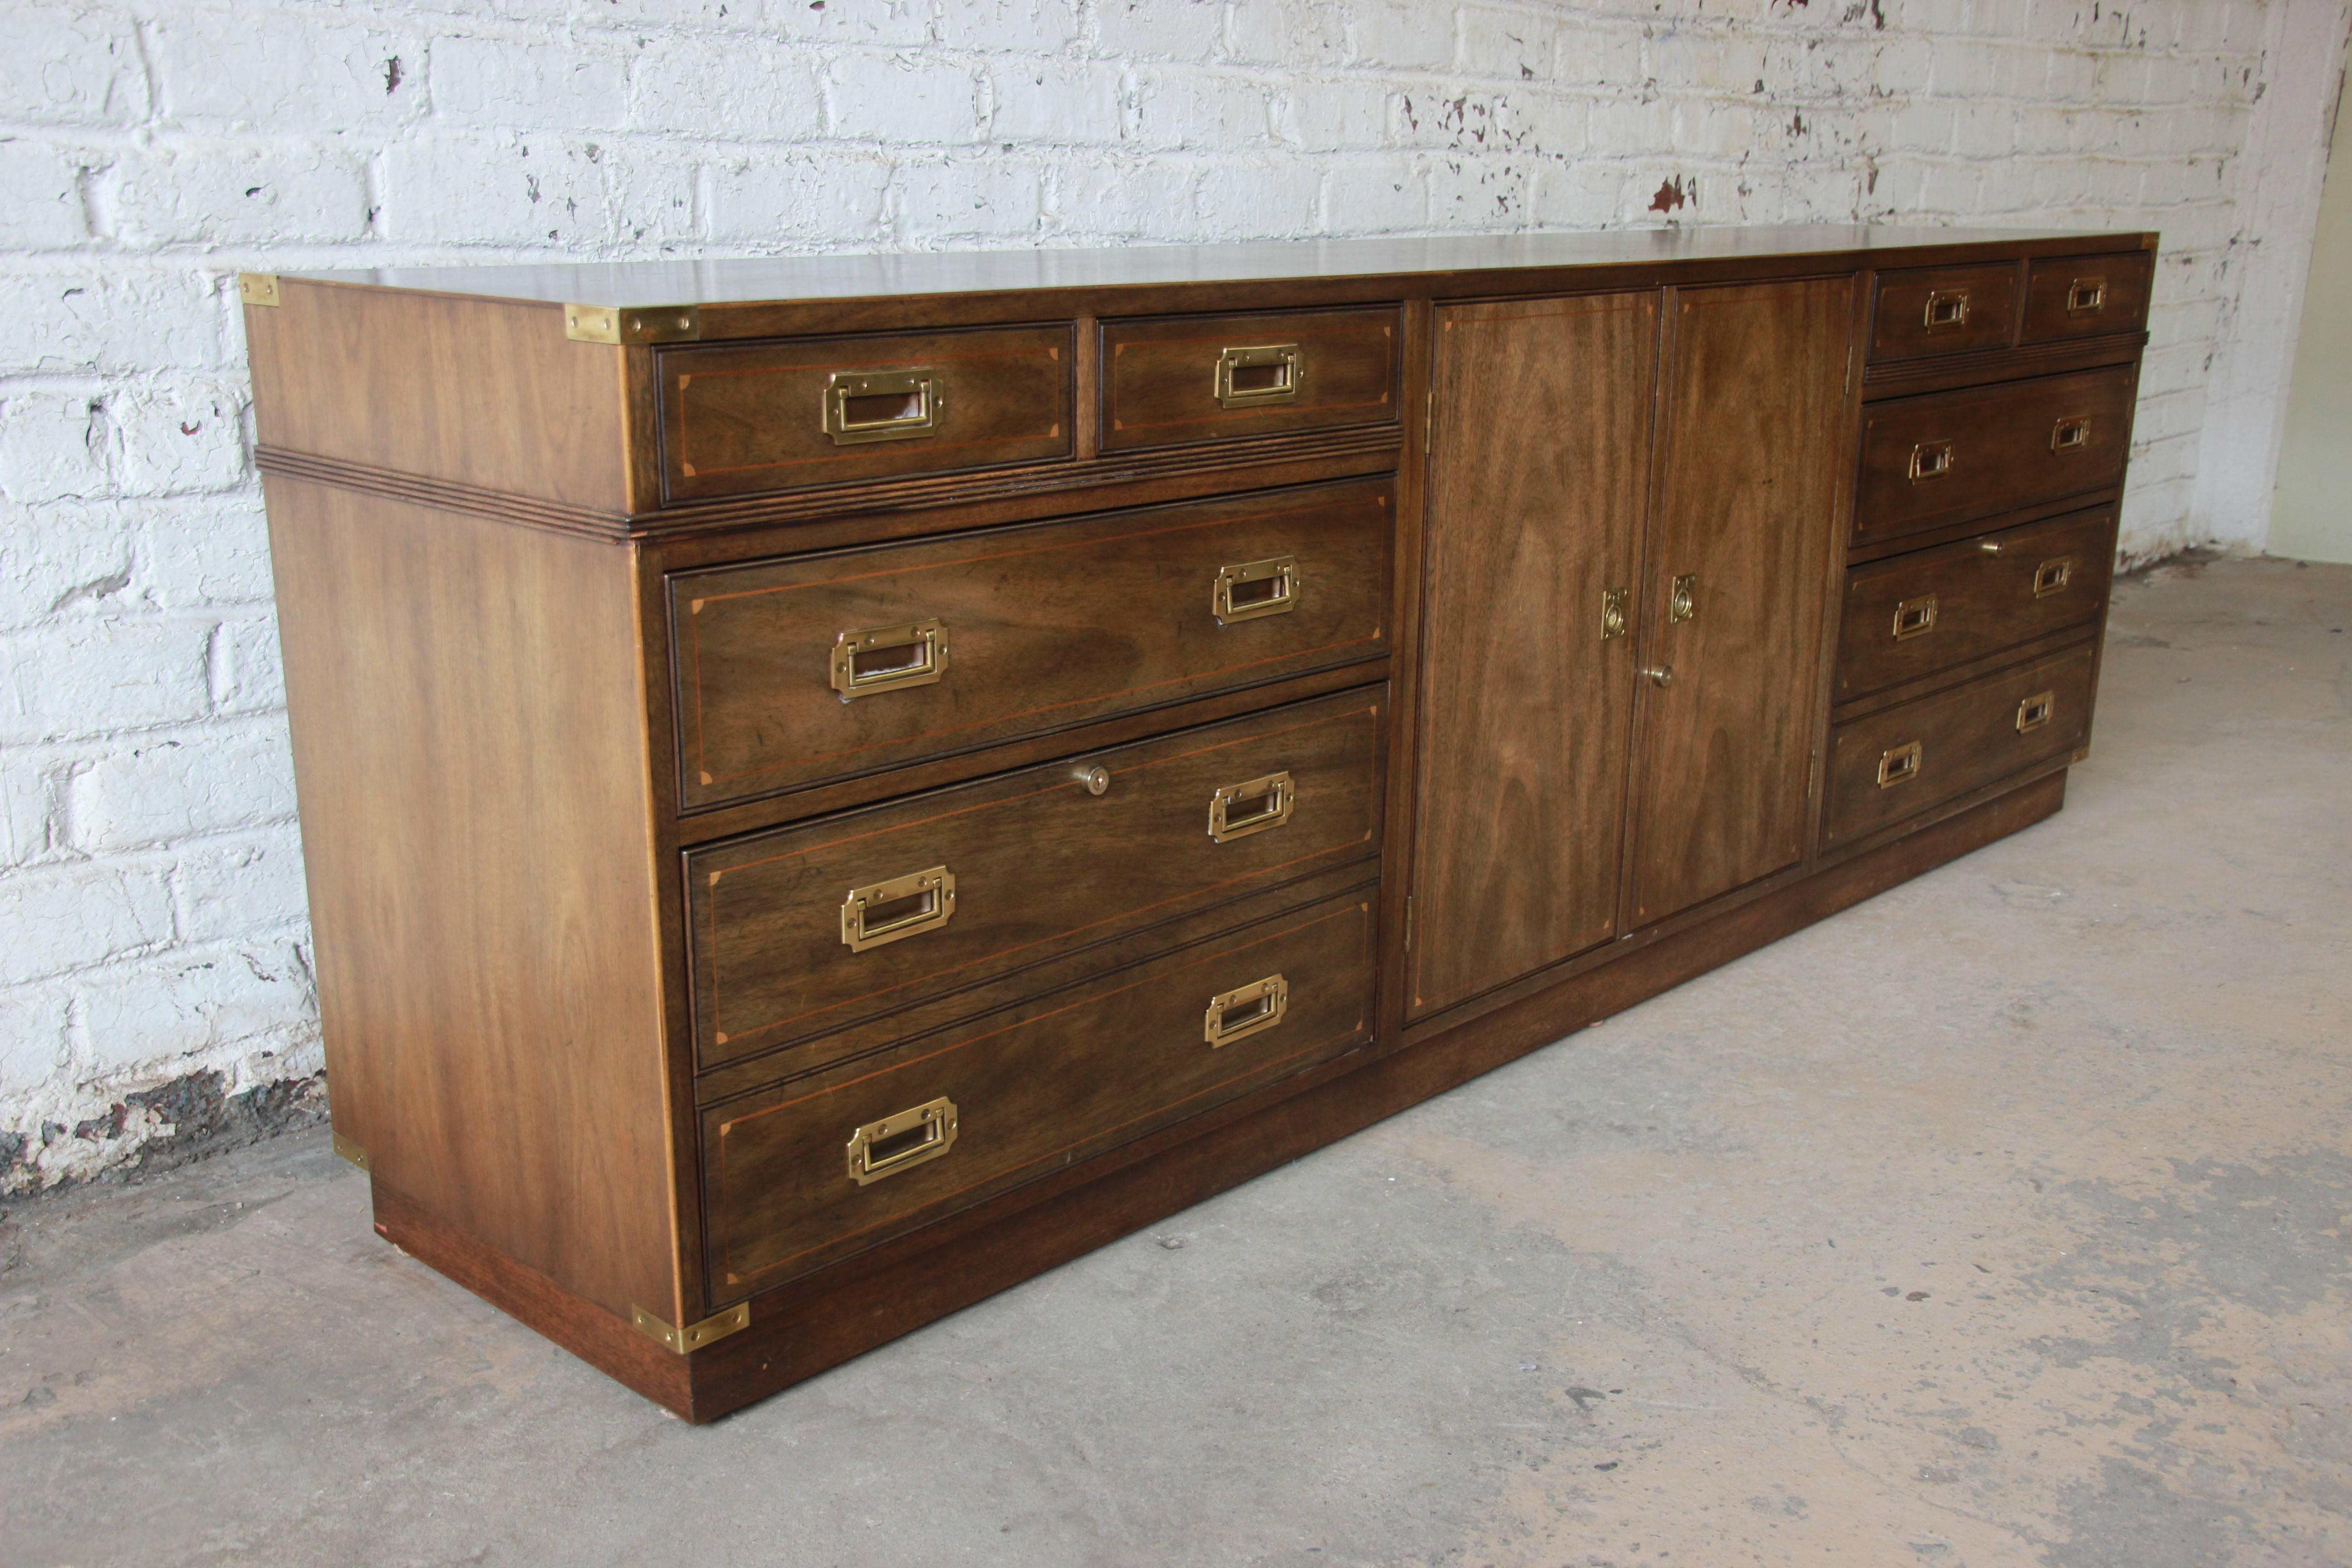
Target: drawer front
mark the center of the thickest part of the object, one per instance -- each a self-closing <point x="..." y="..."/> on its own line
<point x="1918" y="613"/>
<point x="1204" y="378"/>
<point x="1953" y="456"/>
<point x="809" y="928"/>
<point x="797" y="1177"/>
<point x="1943" y="310"/>
<point x="2087" y="296"/>
<point x="955" y="643"/>
<point x="1894" y="764"/>
<point x="828" y="411"/>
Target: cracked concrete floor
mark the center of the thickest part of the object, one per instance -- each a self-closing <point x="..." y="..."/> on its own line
<point x="1999" y="1220"/>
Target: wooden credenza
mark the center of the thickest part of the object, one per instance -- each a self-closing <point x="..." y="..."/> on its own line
<point x="832" y="785"/>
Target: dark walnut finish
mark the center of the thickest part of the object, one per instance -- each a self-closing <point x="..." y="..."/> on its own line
<point x="832" y="785"/>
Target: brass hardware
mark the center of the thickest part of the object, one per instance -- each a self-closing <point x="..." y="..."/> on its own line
<point x="902" y="1140"/>
<point x="693" y="1336"/>
<point x="1094" y="780"/>
<point x="2051" y="576"/>
<point x="2086" y="296"/>
<point x="1236" y="1015"/>
<point x="1256" y="588"/>
<point x="258" y="287"/>
<point x="1664" y="675"/>
<point x="1989" y="546"/>
<point x="1915" y="616"/>
<point x="2035" y="711"/>
<point x="1267" y="803"/>
<point x="657" y="324"/>
<point x="1900" y="766"/>
<point x="905" y="906"/>
<point x="2071" y="434"/>
<point x="348" y="1148"/>
<point x="1612" y="613"/>
<point x="1681" y="603"/>
<point x="882" y="405"/>
<point x="1248" y="377"/>
<point x="1947" y="309"/>
<point x="864" y="661"/>
<point x="1930" y="460"/>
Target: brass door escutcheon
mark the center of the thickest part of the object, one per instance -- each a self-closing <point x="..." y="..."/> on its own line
<point x="1681" y="601"/>
<point x="1612" y="613"/>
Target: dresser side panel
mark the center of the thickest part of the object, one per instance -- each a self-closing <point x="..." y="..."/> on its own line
<point x="471" y="756"/>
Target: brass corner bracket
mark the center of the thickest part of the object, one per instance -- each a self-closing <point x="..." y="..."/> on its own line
<point x="258" y="287"/>
<point x="656" y="324"/>
<point x="693" y="1336"/>
<point x="349" y="1149"/>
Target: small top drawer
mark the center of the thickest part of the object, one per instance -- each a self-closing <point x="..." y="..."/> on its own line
<point x="1953" y="456"/>
<point x="1203" y="378"/>
<point x="737" y="420"/>
<point x="2087" y="296"/>
<point x="1943" y="310"/>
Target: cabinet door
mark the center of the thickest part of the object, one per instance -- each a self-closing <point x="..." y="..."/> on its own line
<point x="1753" y="418"/>
<point x="1539" y="464"/>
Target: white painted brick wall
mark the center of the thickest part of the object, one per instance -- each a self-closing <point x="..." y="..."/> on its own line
<point x="151" y="920"/>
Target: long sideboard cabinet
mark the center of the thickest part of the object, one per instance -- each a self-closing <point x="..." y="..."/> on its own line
<point x="832" y="785"/>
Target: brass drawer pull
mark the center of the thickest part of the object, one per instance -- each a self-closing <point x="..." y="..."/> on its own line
<point x="1930" y="460"/>
<point x="1236" y="811"/>
<point x="902" y="1140"/>
<point x="2051" y="576"/>
<point x="1899" y="764"/>
<point x="1258" y="1006"/>
<point x="902" y="907"/>
<point x="1247" y="378"/>
<point x="1681" y="601"/>
<point x="1256" y="588"/>
<point x="1914" y="617"/>
<point x="2086" y="296"/>
<point x="889" y="658"/>
<point x="1661" y="677"/>
<point x="882" y="405"/>
<point x="1947" y="309"/>
<point x="2035" y="711"/>
<point x="2071" y="434"/>
<point x="1612" y="613"/>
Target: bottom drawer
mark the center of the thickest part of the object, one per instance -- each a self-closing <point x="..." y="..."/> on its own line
<point x="826" y="1166"/>
<point x="1896" y="764"/>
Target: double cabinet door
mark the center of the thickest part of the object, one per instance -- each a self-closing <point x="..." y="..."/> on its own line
<point x="1634" y="503"/>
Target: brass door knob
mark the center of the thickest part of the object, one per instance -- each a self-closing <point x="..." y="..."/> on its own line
<point x="1662" y="676"/>
<point x="1096" y="779"/>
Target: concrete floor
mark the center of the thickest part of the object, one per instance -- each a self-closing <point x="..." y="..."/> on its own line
<point x="2003" y="1220"/>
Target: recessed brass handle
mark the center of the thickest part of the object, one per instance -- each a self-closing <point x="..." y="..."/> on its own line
<point x="1256" y="588"/>
<point x="1248" y="377"/>
<point x="2071" y="433"/>
<point x="1234" y="1015"/>
<point x="1930" y="460"/>
<point x="882" y="405"/>
<point x="1612" y="613"/>
<point x="1662" y="676"/>
<point x="2051" y="576"/>
<point x="1947" y="309"/>
<point x="889" y="658"/>
<point x="1914" y="617"/>
<point x="1682" y="600"/>
<point x="1236" y="811"/>
<point x="1899" y="764"/>
<point x="902" y="1140"/>
<point x="2035" y="711"/>
<point x="885" y="912"/>
<point x="1093" y="780"/>
<point x="2086" y="296"/>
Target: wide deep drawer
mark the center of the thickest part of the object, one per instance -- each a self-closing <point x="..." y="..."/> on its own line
<point x="1953" y="456"/>
<point x="1943" y="310"/>
<point x="828" y="411"/>
<point x="823" y="1167"/>
<point x="2087" y="296"/>
<point x="790" y="672"/>
<point x="809" y="928"/>
<point x="1201" y="378"/>
<point x="1916" y="615"/>
<point x="1899" y="762"/>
